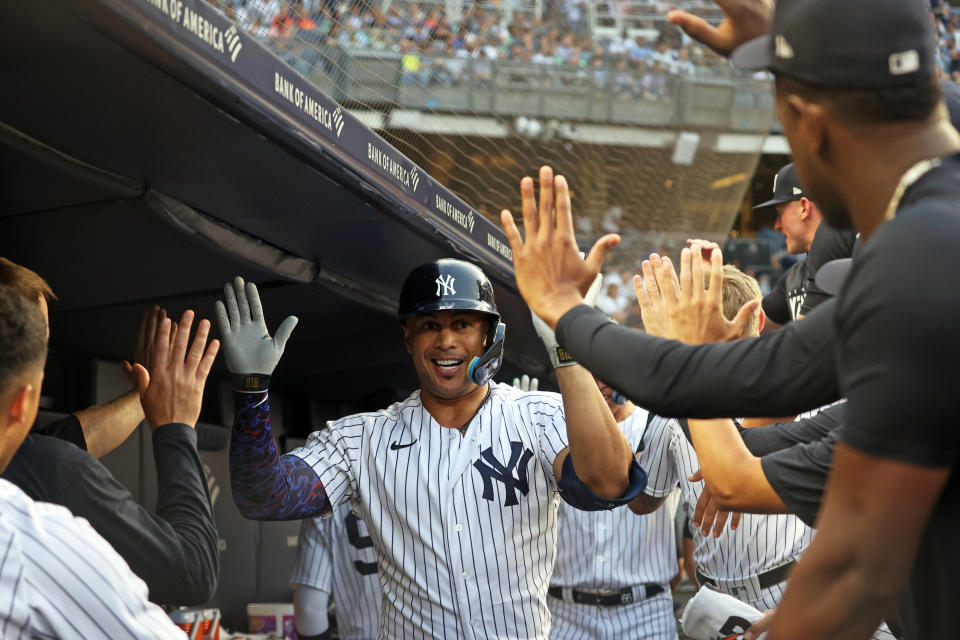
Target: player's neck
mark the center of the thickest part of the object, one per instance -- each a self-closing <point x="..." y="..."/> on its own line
<point x="453" y="413"/>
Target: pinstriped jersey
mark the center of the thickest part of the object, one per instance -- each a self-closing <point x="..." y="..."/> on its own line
<point x="336" y="555"/>
<point x="615" y="549"/>
<point x="59" y="578"/>
<point x="760" y="543"/>
<point x="464" y="526"/>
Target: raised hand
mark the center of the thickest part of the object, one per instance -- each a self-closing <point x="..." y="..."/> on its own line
<point x="526" y="383"/>
<point x="743" y="21"/>
<point x="172" y="391"/>
<point x="247" y="345"/>
<point x="551" y="275"/>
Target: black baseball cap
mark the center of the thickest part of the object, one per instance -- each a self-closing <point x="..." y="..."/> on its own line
<point x="786" y="187"/>
<point x="857" y="44"/>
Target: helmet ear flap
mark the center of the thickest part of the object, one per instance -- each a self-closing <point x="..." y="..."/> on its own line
<point x="482" y="369"/>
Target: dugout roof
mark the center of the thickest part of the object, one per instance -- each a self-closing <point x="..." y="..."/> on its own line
<point x="149" y="152"/>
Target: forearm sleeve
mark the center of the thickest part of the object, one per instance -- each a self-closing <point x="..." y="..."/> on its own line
<point x="266" y="485"/>
<point x="787" y="371"/>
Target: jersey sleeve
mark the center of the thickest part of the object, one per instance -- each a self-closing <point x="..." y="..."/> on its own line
<point x="828" y="244"/>
<point x="552" y="431"/>
<point x="314" y="566"/>
<point x="798" y="475"/>
<point x="329" y="452"/>
<point x="657" y="459"/>
<point x="899" y="350"/>
<point x="780" y="373"/>
<point x="763" y="440"/>
<point x="775" y="304"/>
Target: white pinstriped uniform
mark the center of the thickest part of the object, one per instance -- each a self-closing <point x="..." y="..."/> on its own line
<point x="465" y="528"/>
<point x="736" y="558"/>
<point x="59" y="578"/>
<point x="610" y="550"/>
<point x="336" y="555"/>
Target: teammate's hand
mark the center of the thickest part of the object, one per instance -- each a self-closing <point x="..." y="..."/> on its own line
<point x="743" y="21"/>
<point x="172" y="390"/>
<point x="247" y="345"/>
<point x="146" y="336"/>
<point x="654" y="309"/>
<point x="526" y="383"/>
<point x="694" y="314"/>
<point x="760" y="626"/>
<point x="707" y="515"/>
<point x="552" y="277"/>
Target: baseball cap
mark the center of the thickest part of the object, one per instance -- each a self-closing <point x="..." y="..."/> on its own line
<point x="831" y="276"/>
<point x="786" y="187"/>
<point x="856" y="44"/>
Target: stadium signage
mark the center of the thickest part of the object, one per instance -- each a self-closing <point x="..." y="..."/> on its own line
<point x="303" y="101"/>
<point x="392" y="167"/>
<point x="499" y="246"/>
<point x="465" y="220"/>
<point x="221" y="41"/>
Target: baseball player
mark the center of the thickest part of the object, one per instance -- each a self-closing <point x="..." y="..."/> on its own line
<point x="752" y="562"/>
<point x="459" y="484"/>
<point x="611" y="578"/>
<point x="335" y="556"/>
<point x="799" y="220"/>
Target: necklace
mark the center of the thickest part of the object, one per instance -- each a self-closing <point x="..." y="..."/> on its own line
<point x="463" y="429"/>
<point x="911" y="175"/>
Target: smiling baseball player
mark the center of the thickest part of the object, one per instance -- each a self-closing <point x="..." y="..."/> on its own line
<point x="459" y="484"/>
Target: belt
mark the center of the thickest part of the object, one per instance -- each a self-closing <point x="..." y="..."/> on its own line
<point x="764" y="580"/>
<point x="608" y="598"/>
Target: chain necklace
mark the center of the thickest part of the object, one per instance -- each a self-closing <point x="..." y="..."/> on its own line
<point x="463" y="429"/>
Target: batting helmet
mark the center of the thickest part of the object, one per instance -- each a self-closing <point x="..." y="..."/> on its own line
<point x="449" y="284"/>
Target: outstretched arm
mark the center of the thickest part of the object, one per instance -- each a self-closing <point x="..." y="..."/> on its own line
<point x="266" y="485"/>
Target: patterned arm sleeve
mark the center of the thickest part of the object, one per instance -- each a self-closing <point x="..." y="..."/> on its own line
<point x="266" y="485"/>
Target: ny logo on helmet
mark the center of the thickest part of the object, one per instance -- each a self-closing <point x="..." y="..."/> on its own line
<point x="446" y="284"/>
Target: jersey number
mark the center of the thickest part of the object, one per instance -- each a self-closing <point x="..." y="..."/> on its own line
<point x="360" y="542"/>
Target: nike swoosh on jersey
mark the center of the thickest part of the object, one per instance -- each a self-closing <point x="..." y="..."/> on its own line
<point x="396" y="446"/>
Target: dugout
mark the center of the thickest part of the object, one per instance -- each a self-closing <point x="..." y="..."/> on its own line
<point x="148" y="153"/>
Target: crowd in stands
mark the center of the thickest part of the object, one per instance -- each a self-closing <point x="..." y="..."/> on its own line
<point x="947" y="20"/>
<point x="435" y="48"/>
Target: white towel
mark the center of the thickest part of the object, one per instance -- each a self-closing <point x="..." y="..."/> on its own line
<point x="711" y="615"/>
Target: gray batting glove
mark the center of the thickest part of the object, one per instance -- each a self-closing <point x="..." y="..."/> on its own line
<point x="251" y="354"/>
<point x="559" y="356"/>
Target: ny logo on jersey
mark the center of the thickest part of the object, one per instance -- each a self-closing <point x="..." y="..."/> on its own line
<point x="491" y="469"/>
<point x="446" y="284"/>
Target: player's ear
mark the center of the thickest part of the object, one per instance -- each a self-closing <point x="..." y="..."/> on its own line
<point x="761" y="320"/>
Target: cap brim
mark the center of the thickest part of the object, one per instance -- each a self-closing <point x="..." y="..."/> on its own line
<point x="753" y="55"/>
<point x="770" y="203"/>
<point x="832" y="275"/>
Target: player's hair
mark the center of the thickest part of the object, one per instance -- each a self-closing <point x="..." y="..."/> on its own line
<point x="912" y="102"/>
<point x="738" y="290"/>
<point x="24" y="281"/>
<point x="23" y="336"/>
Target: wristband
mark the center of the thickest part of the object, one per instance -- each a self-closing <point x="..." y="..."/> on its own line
<point x="251" y="382"/>
<point x="560" y="357"/>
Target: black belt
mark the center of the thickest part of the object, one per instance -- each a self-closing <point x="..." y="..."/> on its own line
<point x="608" y="599"/>
<point x="765" y="579"/>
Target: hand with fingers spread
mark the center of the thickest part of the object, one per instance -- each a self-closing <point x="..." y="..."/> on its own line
<point x="693" y="306"/>
<point x="249" y="350"/>
<point x="551" y="275"/>
<point x="707" y="516"/>
<point x="526" y="383"/>
<point x="654" y="309"/>
<point x="743" y="21"/>
<point x="172" y="391"/>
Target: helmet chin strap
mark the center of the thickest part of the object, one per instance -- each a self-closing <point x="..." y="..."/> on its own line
<point x="482" y="369"/>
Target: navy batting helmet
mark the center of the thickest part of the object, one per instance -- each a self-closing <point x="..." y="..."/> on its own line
<point x="449" y="284"/>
